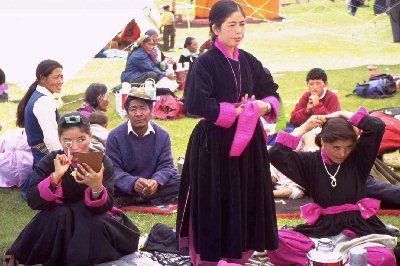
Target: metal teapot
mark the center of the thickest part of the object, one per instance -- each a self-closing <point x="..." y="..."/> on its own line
<point x="323" y="254"/>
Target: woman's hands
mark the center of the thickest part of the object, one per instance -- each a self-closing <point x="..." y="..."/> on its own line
<point x="61" y="165"/>
<point x="264" y="106"/>
<point x="90" y="177"/>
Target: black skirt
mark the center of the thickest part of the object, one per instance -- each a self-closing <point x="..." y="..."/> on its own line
<point x="73" y="235"/>
<point x="228" y="199"/>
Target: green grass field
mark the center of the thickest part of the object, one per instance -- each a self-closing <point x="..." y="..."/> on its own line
<point x="315" y="34"/>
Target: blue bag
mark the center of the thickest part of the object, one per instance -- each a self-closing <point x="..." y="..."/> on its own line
<point x="381" y="86"/>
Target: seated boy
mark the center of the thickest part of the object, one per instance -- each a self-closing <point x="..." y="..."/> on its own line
<point x="141" y="154"/>
<point x="98" y="127"/>
<point x="318" y="100"/>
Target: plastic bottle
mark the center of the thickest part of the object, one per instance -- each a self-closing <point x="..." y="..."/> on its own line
<point x="150" y="88"/>
<point x="123" y="94"/>
<point x="358" y="257"/>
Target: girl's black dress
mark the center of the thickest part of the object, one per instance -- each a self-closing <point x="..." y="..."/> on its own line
<point x="72" y="233"/>
<point x="307" y="170"/>
<point x="229" y="200"/>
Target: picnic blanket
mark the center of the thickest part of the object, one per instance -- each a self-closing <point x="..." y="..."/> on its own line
<point x="160" y="209"/>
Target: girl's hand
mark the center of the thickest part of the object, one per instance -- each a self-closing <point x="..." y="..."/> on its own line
<point x="343" y="114"/>
<point x="311" y="123"/>
<point x="90" y="177"/>
<point x="61" y="165"/>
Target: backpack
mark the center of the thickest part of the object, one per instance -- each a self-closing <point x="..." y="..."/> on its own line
<point x="168" y="107"/>
<point x="380" y="86"/>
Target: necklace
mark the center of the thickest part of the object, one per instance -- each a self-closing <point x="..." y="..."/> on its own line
<point x="238" y="87"/>
<point x="333" y="177"/>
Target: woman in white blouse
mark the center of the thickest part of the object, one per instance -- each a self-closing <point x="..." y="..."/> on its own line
<point x="38" y="113"/>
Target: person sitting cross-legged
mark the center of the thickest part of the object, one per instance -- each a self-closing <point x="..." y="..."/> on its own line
<point x="141" y="153"/>
<point x="318" y="100"/>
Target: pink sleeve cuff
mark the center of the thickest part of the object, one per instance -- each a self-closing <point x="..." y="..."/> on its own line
<point x="358" y="116"/>
<point x="45" y="191"/>
<point x="227" y="115"/>
<point x="288" y="140"/>
<point x="272" y="116"/>
<point x="96" y="203"/>
<point x="349" y="233"/>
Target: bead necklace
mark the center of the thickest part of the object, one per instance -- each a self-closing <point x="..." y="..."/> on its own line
<point x="238" y="87"/>
<point x="333" y="177"/>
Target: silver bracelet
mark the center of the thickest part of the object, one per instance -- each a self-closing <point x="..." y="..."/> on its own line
<point x="97" y="192"/>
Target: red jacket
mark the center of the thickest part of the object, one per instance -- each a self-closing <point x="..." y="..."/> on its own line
<point x="131" y="32"/>
<point x="328" y="104"/>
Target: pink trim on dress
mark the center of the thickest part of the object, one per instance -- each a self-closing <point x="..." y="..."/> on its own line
<point x="325" y="157"/>
<point x="227" y="115"/>
<point x="349" y="233"/>
<point x="368" y="207"/>
<point x="288" y="140"/>
<point x="223" y="49"/>
<point x="98" y="202"/>
<point x="46" y="193"/>
<point x="358" y="116"/>
<point x="247" y="122"/>
<point x="114" y="211"/>
<point x="184" y="241"/>
<point x="272" y="116"/>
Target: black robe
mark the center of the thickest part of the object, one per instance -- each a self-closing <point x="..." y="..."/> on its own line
<point x="228" y="199"/>
<point x="307" y="170"/>
<point x="73" y="233"/>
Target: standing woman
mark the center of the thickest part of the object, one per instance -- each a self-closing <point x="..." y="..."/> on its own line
<point x="38" y="113"/>
<point x="226" y="207"/>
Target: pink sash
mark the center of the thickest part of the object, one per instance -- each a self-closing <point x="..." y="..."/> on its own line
<point x="367" y="207"/>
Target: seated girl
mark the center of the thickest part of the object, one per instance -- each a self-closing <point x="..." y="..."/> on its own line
<point x="190" y="51"/>
<point x="96" y="99"/>
<point x="76" y="223"/>
<point x="335" y="178"/>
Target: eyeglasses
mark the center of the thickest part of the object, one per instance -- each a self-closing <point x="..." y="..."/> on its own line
<point x="73" y="119"/>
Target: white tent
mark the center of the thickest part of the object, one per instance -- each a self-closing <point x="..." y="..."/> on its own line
<point x="68" y="31"/>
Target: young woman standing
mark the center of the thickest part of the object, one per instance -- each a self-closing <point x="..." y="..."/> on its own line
<point x="226" y="207"/>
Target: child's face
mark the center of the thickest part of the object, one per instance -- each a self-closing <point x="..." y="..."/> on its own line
<point x="339" y="150"/>
<point x="316" y="86"/>
<point x="76" y="140"/>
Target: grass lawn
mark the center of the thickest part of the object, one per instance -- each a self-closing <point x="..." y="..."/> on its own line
<point x="315" y="34"/>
